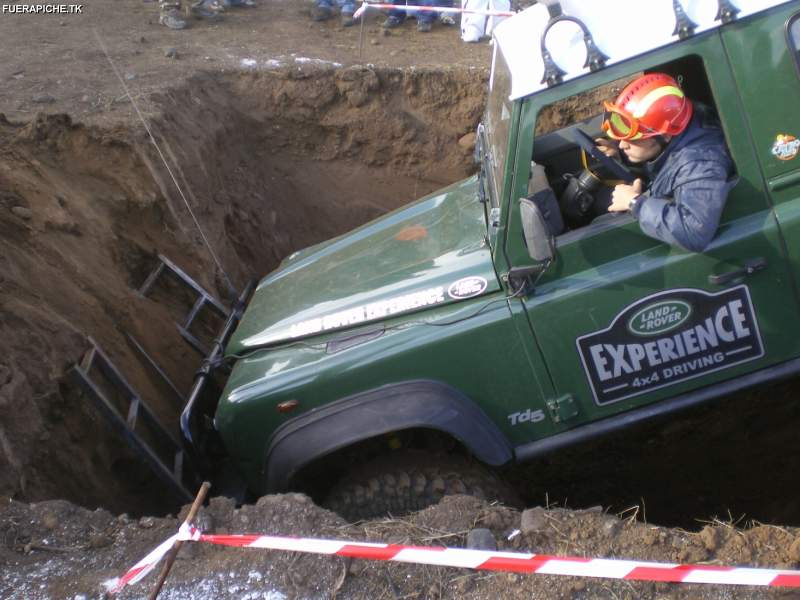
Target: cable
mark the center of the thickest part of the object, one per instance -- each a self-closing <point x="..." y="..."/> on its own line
<point x="231" y="289"/>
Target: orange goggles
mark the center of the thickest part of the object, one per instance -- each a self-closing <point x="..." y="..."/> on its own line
<point x="619" y="124"/>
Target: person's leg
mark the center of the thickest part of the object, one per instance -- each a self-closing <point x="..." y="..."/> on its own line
<point x="446" y="18"/>
<point x="395" y="18"/>
<point x="348" y="8"/>
<point x="322" y="11"/>
<point x="207" y="9"/>
<point x="170" y="14"/>
<point x="425" y="18"/>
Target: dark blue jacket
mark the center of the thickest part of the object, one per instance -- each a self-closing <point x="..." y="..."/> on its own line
<point x="689" y="185"/>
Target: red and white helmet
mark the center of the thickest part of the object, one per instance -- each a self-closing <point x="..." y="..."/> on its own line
<point x="651" y="105"/>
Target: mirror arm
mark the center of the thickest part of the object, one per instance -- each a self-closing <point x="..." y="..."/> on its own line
<point x="522" y="279"/>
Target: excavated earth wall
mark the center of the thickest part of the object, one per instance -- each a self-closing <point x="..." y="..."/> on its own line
<point x="269" y="162"/>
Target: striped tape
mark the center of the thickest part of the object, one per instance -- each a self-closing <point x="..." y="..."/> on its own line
<point x="138" y="571"/>
<point x="476" y="559"/>
<point x="439" y="9"/>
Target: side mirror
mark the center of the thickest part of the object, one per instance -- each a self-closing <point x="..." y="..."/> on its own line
<point x="540" y="241"/>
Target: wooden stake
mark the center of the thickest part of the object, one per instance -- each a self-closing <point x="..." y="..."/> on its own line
<point x="361" y="35"/>
<point x="173" y="553"/>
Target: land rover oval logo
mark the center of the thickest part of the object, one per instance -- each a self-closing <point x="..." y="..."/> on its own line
<point x="467" y="287"/>
<point x="659" y="317"/>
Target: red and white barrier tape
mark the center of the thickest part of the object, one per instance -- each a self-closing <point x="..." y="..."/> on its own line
<point x="138" y="571"/>
<point x="442" y="9"/>
<point x="476" y="559"/>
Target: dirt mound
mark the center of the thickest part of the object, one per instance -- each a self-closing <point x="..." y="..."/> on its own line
<point x="56" y="550"/>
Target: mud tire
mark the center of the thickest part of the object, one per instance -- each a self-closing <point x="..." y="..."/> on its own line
<point x="405" y="482"/>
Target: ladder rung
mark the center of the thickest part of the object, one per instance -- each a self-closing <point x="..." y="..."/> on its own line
<point x="88" y="358"/>
<point x="193" y="341"/>
<point x="177" y="469"/>
<point x="151" y="279"/>
<point x="133" y="413"/>
<point x="198" y="306"/>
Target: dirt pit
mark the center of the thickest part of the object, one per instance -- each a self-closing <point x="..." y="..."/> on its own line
<point x="268" y="162"/>
<point x="272" y="160"/>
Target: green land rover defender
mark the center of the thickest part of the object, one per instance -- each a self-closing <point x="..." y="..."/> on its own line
<point x="423" y="352"/>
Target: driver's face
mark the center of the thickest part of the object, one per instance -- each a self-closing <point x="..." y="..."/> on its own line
<point x="639" y="151"/>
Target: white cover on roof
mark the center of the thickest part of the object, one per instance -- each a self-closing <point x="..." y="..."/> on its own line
<point x="620" y="29"/>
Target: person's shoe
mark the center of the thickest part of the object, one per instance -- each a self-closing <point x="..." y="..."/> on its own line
<point x="347" y="18"/>
<point x="424" y="26"/>
<point x="392" y="22"/>
<point x="173" y="20"/>
<point x="207" y="9"/>
<point x="321" y="13"/>
<point x="446" y="19"/>
<point x="208" y="15"/>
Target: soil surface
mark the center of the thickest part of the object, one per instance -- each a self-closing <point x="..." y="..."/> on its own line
<point x="60" y="63"/>
<point x="276" y="133"/>
<point x="56" y="550"/>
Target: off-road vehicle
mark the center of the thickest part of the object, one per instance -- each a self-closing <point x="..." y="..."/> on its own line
<point x="422" y="352"/>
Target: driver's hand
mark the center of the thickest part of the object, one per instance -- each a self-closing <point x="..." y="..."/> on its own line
<point x="608" y="147"/>
<point x="623" y="194"/>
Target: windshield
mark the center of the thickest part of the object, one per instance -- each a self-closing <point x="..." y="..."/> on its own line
<point x="498" y="121"/>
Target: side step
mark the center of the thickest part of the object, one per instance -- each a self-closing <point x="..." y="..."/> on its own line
<point x="140" y="428"/>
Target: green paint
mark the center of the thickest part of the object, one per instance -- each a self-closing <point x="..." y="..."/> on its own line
<point x="516" y="357"/>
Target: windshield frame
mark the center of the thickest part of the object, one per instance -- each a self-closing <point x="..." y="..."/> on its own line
<point x="497" y="126"/>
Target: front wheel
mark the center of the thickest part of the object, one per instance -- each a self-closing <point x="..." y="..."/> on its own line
<point x="406" y="481"/>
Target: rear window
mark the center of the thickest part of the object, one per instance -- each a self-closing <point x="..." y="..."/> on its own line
<point x="793" y="35"/>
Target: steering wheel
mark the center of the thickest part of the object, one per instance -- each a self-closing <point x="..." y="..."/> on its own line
<point x="591" y="148"/>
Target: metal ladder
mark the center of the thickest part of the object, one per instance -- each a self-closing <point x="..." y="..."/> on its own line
<point x="178" y="475"/>
<point x="203" y="299"/>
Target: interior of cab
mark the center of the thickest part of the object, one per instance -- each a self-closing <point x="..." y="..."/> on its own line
<point x="563" y="146"/>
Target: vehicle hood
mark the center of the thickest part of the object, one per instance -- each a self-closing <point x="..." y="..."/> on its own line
<point x="429" y="253"/>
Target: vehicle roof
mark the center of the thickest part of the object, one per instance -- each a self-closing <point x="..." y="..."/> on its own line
<point x="621" y="29"/>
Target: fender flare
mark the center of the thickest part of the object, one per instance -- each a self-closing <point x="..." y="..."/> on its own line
<point x="406" y="405"/>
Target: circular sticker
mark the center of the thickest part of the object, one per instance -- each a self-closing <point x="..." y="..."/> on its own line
<point x="467" y="287"/>
<point x="785" y="147"/>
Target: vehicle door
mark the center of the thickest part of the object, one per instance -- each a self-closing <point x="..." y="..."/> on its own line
<point x="624" y="320"/>
<point x="765" y="56"/>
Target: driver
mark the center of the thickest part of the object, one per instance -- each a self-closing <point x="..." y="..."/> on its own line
<point x="681" y="150"/>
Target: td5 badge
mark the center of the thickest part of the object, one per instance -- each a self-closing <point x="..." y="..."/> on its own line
<point x="670" y="337"/>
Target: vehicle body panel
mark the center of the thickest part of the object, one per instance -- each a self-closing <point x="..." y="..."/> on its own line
<point x="761" y="90"/>
<point x="518" y="356"/>
<point x="602" y="269"/>
<point x="471" y="344"/>
<point x="370" y="273"/>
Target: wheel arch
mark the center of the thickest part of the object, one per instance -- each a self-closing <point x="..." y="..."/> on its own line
<point x="418" y="404"/>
